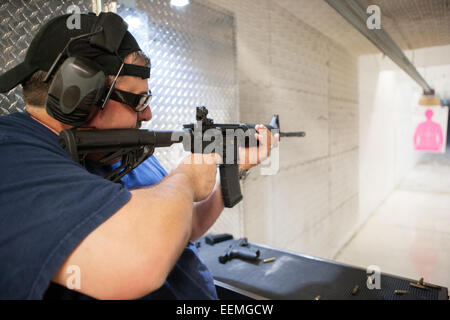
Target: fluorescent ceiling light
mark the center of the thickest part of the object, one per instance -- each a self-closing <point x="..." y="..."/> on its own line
<point x="179" y="3"/>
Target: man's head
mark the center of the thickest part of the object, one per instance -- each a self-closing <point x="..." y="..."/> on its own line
<point x="102" y="40"/>
<point x="118" y="115"/>
<point x="115" y="115"/>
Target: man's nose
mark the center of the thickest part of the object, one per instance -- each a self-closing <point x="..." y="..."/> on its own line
<point x="145" y="115"/>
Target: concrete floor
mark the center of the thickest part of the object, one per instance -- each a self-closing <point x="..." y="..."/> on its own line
<point x="409" y="234"/>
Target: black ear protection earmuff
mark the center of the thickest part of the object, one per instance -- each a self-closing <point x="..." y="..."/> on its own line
<point x="76" y="89"/>
<point x="79" y="84"/>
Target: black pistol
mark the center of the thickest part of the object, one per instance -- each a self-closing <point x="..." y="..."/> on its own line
<point x="239" y="249"/>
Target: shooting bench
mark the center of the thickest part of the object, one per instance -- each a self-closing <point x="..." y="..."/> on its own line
<point x="293" y="276"/>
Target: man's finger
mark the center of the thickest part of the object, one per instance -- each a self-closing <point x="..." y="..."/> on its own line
<point x="276" y="139"/>
<point x="264" y="139"/>
<point x="213" y="158"/>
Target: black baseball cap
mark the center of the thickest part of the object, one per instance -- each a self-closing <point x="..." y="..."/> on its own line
<point x="53" y="37"/>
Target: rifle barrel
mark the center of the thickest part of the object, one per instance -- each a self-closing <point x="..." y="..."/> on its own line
<point x="292" y="134"/>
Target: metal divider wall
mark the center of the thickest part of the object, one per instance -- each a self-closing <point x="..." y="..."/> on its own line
<point x="192" y="50"/>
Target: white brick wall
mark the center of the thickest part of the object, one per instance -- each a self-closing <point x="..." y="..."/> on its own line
<point x="289" y="68"/>
<point x="343" y="125"/>
<point x="298" y="53"/>
<point x="343" y="177"/>
<point x="299" y="202"/>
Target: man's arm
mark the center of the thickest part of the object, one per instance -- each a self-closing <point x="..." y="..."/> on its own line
<point x="132" y="253"/>
<point x="207" y="212"/>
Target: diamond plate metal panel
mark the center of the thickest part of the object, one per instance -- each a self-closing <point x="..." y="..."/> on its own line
<point x="193" y="57"/>
<point x="19" y="22"/>
<point x="192" y="49"/>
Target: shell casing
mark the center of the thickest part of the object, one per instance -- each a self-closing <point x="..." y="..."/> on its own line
<point x="355" y="290"/>
<point x="419" y="286"/>
<point x="429" y="285"/>
<point x="401" y="292"/>
<point x="269" y="260"/>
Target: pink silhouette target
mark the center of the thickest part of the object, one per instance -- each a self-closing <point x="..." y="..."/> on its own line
<point x="428" y="135"/>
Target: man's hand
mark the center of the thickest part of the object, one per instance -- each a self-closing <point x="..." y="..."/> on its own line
<point x="250" y="157"/>
<point x="201" y="170"/>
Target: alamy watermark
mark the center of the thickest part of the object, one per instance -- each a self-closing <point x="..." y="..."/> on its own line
<point x="373" y="277"/>
<point x="374" y="21"/>
<point x="74" y="20"/>
<point x="74" y="280"/>
<point x="235" y="146"/>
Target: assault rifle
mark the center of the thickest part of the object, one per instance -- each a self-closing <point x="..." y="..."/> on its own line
<point x="134" y="146"/>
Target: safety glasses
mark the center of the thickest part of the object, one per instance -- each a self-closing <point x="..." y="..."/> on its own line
<point x="139" y="102"/>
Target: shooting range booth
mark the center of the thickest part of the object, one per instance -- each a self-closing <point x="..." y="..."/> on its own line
<point x="293" y="276"/>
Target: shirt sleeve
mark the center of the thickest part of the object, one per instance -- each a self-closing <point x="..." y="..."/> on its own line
<point x="48" y="205"/>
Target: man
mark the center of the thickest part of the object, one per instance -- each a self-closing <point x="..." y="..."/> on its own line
<point x="128" y="240"/>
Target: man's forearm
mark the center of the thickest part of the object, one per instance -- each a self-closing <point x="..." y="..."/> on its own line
<point x="207" y="212"/>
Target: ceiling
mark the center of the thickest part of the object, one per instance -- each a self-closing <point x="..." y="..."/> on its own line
<point x="412" y="24"/>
